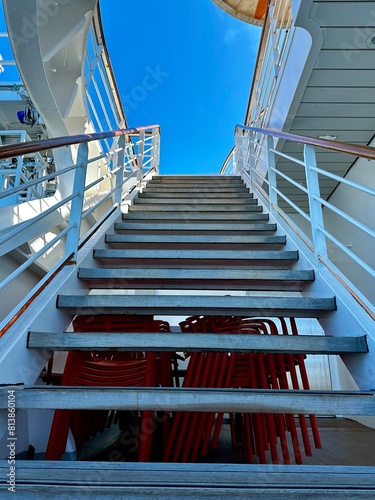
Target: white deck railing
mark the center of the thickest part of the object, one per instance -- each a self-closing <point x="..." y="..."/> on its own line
<point x="273" y="51"/>
<point x="136" y="156"/>
<point x="314" y="218"/>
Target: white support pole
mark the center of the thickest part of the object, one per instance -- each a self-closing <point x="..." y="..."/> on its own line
<point x="140" y="158"/>
<point x="249" y="168"/>
<point x="239" y="152"/>
<point x="316" y="212"/>
<point x="155" y="150"/>
<point x="117" y="198"/>
<point x="271" y="161"/>
<point x="77" y="202"/>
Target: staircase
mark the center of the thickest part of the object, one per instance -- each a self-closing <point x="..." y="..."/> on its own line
<point x="206" y="246"/>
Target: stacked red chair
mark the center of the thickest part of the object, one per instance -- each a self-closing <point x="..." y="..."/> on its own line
<point x="193" y="433"/>
<point x="109" y="369"/>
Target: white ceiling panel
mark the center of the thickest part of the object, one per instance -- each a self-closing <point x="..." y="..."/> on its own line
<point x="351" y="39"/>
<point x="335" y="123"/>
<point x="340" y="13"/>
<point x="342" y="78"/>
<point x="340" y="59"/>
<point x="342" y="110"/>
<point x="339" y="94"/>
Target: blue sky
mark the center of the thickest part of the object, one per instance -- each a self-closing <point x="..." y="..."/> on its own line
<point x="187" y="66"/>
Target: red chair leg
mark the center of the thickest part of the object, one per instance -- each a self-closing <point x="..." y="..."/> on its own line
<point x="58" y="435"/>
<point x="306" y="386"/>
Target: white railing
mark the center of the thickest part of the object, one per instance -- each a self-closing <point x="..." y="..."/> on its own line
<point x="318" y="221"/>
<point x="103" y="100"/>
<point x="136" y="156"/>
<point x="273" y="49"/>
<point x="103" y="105"/>
<point x="17" y="172"/>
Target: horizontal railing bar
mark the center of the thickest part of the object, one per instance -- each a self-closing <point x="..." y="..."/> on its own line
<point x="343" y="180"/>
<point x="25" y="225"/>
<point x="289" y="179"/>
<point x="291" y="204"/>
<point x="258" y="174"/>
<point x="148" y="150"/>
<point x="103" y="155"/>
<point x="259" y="144"/>
<point x="287" y="157"/>
<point x="102" y="178"/>
<point x="193" y="399"/>
<point x="108" y="195"/>
<point x="345" y="216"/>
<point x="196" y="342"/>
<point x="34" y="257"/>
<point x="97" y="181"/>
<point x="130" y="161"/>
<point x="18" y="189"/>
<point x="294" y="227"/>
<point x="58" y="142"/>
<point x="259" y="159"/>
<point x="341" y="147"/>
<point x="147" y="162"/>
<point x="97" y="204"/>
<point x="348" y="252"/>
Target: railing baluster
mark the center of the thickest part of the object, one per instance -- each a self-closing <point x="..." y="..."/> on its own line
<point x="77" y="202"/>
<point x="141" y="150"/>
<point x="316" y="212"/>
<point x="271" y="174"/>
<point x="249" y="170"/>
<point x="117" y="198"/>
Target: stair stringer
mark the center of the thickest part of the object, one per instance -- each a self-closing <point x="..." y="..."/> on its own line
<point x="350" y="318"/>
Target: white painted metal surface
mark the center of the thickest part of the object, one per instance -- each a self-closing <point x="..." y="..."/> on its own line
<point x="126" y="175"/>
<point x="311" y="213"/>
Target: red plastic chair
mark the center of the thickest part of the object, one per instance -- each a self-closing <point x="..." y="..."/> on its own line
<point x="108" y="369"/>
<point x="191" y="432"/>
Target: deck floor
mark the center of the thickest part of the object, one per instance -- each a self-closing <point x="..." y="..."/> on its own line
<point x="344" y="442"/>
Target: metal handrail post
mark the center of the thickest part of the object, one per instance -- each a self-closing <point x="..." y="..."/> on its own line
<point x="119" y="179"/>
<point x="271" y="160"/>
<point x="316" y="211"/>
<point x="77" y="202"/>
<point x="140" y="160"/>
<point x="239" y="159"/>
<point x="251" y="161"/>
<point x="156" y="150"/>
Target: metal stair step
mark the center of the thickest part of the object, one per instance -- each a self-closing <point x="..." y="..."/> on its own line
<point x="190" y="278"/>
<point x="176" y="189"/>
<point x="213" y="180"/>
<point x="196" y="195"/>
<point x="237" y="255"/>
<point x="224" y="217"/>
<point x="297" y="307"/>
<point x="196" y="239"/>
<point x="171" y="177"/>
<point x="197" y="186"/>
<point x="194" y="207"/>
<point x="190" y="399"/>
<point x="197" y="226"/>
<point x="197" y="199"/>
<point x="181" y="481"/>
<point x="196" y="342"/>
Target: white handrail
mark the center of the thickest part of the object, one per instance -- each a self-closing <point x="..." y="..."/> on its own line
<point x="129" y="152"/>
<point x="312" y="224"/>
